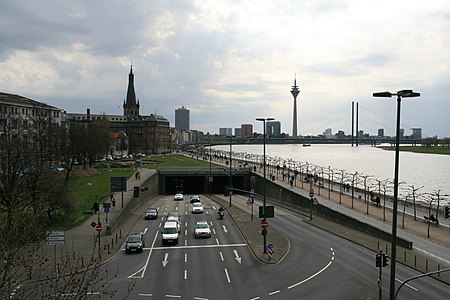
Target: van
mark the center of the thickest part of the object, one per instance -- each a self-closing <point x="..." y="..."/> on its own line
<point x="170" y="233"/>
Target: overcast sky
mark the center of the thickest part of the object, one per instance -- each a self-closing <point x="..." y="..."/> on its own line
<point x="230" y="62"/>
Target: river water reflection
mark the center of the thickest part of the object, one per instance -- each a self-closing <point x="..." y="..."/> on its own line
<point x="431" y="171"/>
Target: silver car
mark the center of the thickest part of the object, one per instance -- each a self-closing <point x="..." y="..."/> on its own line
<point x="197" y="208"/>
<point x="201" y="229"/>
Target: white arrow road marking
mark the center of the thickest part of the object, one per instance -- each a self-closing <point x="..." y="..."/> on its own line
<point x="224" y="229"/>
<point x="142" y="270"/>
<point x="236" y="256"/>
<point x="165" y="261"/>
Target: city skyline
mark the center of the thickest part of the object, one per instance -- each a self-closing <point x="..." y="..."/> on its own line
<point x="233" y="63"/>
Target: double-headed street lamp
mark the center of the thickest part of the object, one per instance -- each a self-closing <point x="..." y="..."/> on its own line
<point x="400" y="95"/>
<point x="264" y="120"/>
<point x="231" y="178"/>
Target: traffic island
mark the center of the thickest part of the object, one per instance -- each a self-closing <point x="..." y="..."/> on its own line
<point x="252" y="232"/>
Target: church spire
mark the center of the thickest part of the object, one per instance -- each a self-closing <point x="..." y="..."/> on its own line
<point x="131" y="107"/>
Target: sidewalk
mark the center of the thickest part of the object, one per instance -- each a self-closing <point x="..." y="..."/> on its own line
<point x="83" y="239"/>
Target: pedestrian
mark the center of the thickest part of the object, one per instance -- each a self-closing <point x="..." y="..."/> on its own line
<point x="96" y="207"/>
<point x="113" y="202"/>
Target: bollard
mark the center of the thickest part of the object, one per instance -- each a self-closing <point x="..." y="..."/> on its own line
<point x="378" y="245"/>
<point x="82" y="262"/>
<point x="426" y="265"/>
<point x="405" y="256"/>
<point x="415" y="260"/>
<point x="112" y="243"/>
<point x="108" y="250"/>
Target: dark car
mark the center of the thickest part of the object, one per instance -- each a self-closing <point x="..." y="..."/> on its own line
<point x="151" y="214"/>
<point x="194" y="199"/>
<point x="135" y="243"/>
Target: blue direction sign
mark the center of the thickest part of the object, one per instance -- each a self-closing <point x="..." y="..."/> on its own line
<point x="106" y="210"/>
<point x="270" y="246"/>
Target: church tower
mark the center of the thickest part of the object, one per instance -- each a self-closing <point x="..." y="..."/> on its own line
<point x="130" y="106"/>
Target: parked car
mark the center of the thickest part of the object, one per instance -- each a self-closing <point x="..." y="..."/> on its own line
<point x="178" y="197"/>
<point x="170" y="233"/>
<point x="197" y="208"/>
<point x="151" y="213"/>
<point x="201" y="229"/>
<point x="135" y="243"/>
<point x="195" y="198"/>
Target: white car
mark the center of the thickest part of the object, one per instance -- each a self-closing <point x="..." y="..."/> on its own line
<point x="170" y="233"/>
<point x="201" y="229"/>
<point x="176" y="220"/>
<point x="178" y="196"/>
<point x="197" y="208"/>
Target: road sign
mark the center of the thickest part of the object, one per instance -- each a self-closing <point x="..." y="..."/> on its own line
<point x="311" y="194"/>
<point x="55" y="238"/>
<point x="252" y="193"/>
<point x="99" y="228"/>
<point x="106" y="210"/>
<point x="270" y="246"/>
<point x="264" y="224"/>
<point x="93" y="224"/>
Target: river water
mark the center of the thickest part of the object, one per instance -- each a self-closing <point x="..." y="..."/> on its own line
<point x="432" y="171"/>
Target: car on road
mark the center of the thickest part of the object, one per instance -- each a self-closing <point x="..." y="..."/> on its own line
<point x="201" y="229"/>
<point x="151" y="214"/>
<point x="178" y="197"/>
<point x="170" y="233"/>
<point x="176" y="220"/>
<point x="173" y="214"/>
<point x="135" y="243"/>
<point x="197" y="208"/>
<point x="194" y="198"/>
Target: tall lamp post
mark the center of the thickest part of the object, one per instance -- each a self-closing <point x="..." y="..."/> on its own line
<point x="231" y="181"/>
<point x="210" y="175"/>
<point x="400" y="95"/>
<point x="264" y="120"/>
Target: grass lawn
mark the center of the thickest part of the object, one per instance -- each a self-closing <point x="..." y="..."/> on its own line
<point x="422" y="149"/>
<point x="85" y="190"/>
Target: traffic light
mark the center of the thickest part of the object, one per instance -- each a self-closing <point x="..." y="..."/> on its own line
<point x="378" y="260"/>
<point x="385" y="260"/>
<point x="136" y="192"/>
<point x="447" y="212"/>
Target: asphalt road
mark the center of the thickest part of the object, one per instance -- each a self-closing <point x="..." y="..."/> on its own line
<point x="319" y="264"/>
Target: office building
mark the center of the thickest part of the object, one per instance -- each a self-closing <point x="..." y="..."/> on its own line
<point x="381" y="132"/>
<point x="273" y="128"/>
<point x="237" y="132"/>
<point x="225" y="131"/>
<point x="182" y="121"/>
<point x="246" y="130"/>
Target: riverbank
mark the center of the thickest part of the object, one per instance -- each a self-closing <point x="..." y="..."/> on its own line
<point x="421" y="149"/>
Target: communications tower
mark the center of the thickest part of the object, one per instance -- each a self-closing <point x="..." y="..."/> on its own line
<point x="295" y="91"/>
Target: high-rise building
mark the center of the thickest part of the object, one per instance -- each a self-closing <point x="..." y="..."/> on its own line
<point x="246" y="130"/>
<point x="381" y="132"/>
<point x="182" y="118"/>
<point x="226" y="131"/>
<point x="416" y="133"/>
<point x="237" y="132"/>
<point x="273" y="128"/>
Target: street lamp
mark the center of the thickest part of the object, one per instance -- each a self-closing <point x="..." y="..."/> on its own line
<point x="264" y="120"/>
<point x="400" y="95"/>
<point x="87" y="198"/>
<point x="231" y="182"/>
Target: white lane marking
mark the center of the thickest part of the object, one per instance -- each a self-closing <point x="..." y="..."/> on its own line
<point x="144" y="268"/>
<point x="185" y="243"/>
<point x="221" y="256"/>
<point x="195" y="247"/>
<point x="165" y="261"/>
<point x="228" y="276"/>
<point x="273" y="293"/>
<point x="198" y="298"/>
<point x="211" y="223"/>
<point x="145" y="230"/>
<point x="146" y="295"/>
<point x="185" y="224"/>
<point x="176" y="208"/>
<point x="185" y="274"/>
<point x="172" y="296"/>
<point x="256" y="298"/>
<point x="236" y="256"/>
<point x="185" y="232"/>
<point x="313" y="275"/>
<point x="411" y="287"/>
<point x="185" y="257"/>
<point x="224" y="229"/>
<point x="214" y="231"/>
<point x="217" y="242"/>
<point x="214" y="207"/>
